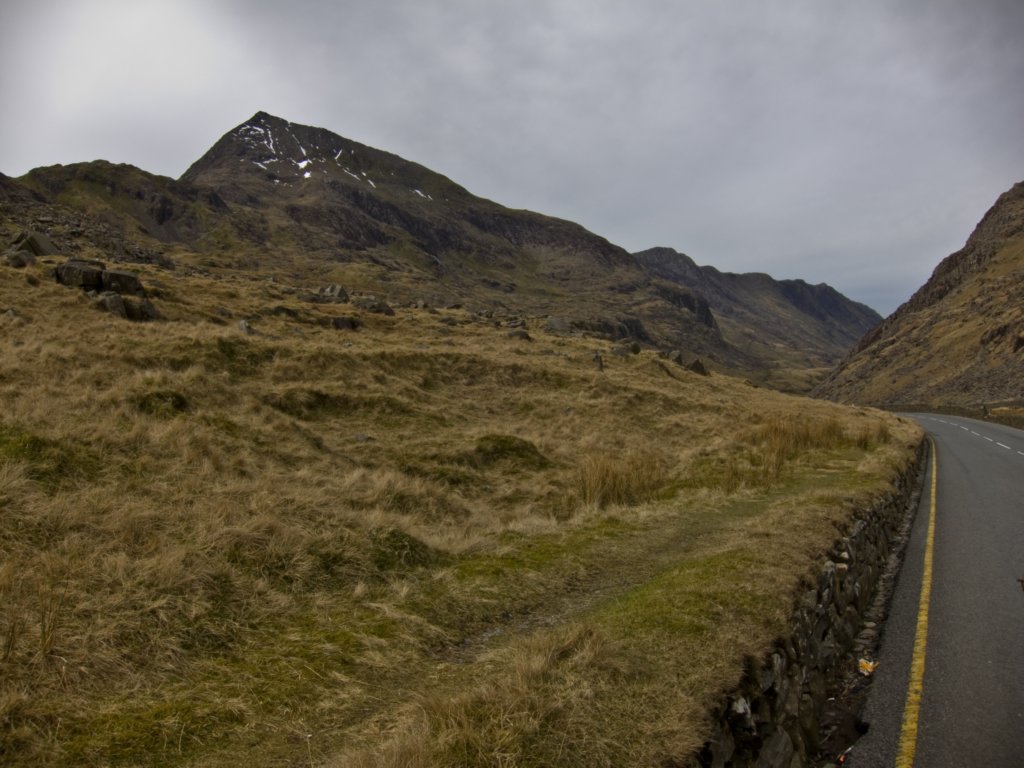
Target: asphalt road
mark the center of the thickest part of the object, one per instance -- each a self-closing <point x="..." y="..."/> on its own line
<point x="972" y="701"/>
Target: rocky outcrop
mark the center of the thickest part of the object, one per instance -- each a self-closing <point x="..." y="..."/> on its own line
<point x="26" y="247"/>
<point x="35" y="243"/>
<point x="772" y="719"/>
<point x="116" y="291"/>
<point x="608" y="328"/>
<point x="81" y="273"/>
<point x="373" y="304"/>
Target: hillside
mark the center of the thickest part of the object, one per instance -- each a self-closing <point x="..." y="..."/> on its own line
<point x="267" y="531"/>
<point x="959" y="340"/>
<point x="788" y="324"/>
<point x="308" y="206"/>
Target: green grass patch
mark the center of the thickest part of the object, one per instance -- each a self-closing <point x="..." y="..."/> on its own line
<point x="239" y="357"/>
<point x="393" y="550"/>
<point x="312" y="404"/>
<point x="163" y="404"/>
<point x="505" y="450"/>
<point x="49" y="462"/>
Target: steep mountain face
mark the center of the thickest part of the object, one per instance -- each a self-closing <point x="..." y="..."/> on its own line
<point x="959" y="340"/>
<point x="770" y="318"/>
<point x="305" y="205"/>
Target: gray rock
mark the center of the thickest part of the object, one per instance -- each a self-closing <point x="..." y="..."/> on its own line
<point x="35" y="243"/>
<point x="141" y="310"/>
<point x="246" y="328"/>
<point x="334" y="292"/>
<point x="625" y="350"/>
<point x="113" y="303"/>
<point x="373" y="304"/>
<point x="519" y="333"/>
<point x="776" y="751"/>
<point x="560" y="326"/>
<point x="346" y="323"/>
<point x="676" y="356"/>
<point x="19" y="259"/>
<point x="698" y="367"/>
<point x="81" y="273"/>
<point x="125" y="283"/>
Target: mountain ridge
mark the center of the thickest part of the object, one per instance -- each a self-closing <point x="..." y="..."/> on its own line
<point x="308" y="205"/>
<point x="817" y="316"/>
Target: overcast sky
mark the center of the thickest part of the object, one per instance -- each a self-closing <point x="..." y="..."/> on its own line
<point x="853" y="143"/>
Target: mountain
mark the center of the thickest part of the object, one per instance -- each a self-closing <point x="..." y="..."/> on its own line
<point x="770" y="318"/>
<point x="304" y="205"/>
<point x="959" y="340"/>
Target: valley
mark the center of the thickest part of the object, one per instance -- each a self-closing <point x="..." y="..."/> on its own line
<point x="311" y="457"/>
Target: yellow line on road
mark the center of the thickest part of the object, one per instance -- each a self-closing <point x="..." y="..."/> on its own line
<point x="912" y="709"/>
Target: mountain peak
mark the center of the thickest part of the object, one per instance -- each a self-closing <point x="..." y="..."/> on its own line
<point x="276" y="148"/>
<point x="267" y="150"/>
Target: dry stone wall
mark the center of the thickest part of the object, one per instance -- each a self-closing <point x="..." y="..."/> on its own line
<point x="773" y="718"/>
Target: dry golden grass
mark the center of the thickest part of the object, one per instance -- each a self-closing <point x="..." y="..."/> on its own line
<point x="417" y="544"/>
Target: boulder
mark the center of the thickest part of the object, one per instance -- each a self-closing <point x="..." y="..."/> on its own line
<point x="19" y="259"/>
<point x="560" y="326"/>
<point x="521" y="334"/>
<point x="334" y="292"/>
<point x="698" y="367"/>
<point x="81" y="273"/>
<point x="141" y="310"/>
<point x="122" y="282"/>
<point x="35" y="243"/>
<point x="113" y="303"/>
<point x="328" y="294"/>
<point x="675" y="356"/>
<point x="346" y="323"/>
<point x="373" y="304"/>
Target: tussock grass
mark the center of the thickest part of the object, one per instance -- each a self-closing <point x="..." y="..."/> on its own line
<point x="605" y="480"/>
<point x="217" y="548"/>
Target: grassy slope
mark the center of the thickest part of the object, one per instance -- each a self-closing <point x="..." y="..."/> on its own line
<point x="424" y="543"/>
<point x="975" y="329"/>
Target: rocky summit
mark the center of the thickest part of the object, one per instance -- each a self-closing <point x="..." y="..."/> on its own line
<point x="306" y="206"/>
<point x="959" y="341"/>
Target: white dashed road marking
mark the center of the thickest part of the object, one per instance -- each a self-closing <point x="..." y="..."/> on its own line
<point x="976" y="434"/>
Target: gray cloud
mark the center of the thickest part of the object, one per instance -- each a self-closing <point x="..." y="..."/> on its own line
<point x="851" y="143"/>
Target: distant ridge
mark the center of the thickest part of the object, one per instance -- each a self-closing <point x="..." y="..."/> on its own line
<point x="758" y="312"/>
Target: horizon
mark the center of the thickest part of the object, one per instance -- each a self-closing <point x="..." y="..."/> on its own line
<point x="856" y="147"/>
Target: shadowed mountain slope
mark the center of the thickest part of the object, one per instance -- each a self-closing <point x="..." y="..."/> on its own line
<point x="771" y="319"/>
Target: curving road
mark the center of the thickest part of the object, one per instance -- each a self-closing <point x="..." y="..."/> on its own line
<point x="970" y="666"/>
